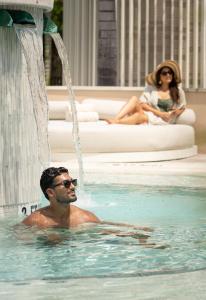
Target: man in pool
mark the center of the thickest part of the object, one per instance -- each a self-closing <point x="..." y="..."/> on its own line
<point x="59" y="188"/>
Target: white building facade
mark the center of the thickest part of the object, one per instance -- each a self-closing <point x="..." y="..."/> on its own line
<point x="118" y="42"/>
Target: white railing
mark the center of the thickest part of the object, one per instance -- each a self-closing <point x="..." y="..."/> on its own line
<point x="80" y="38"/>
<point x="150" y="31"/>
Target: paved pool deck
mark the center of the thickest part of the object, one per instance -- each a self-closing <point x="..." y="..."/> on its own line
<point x="188" y="172"/>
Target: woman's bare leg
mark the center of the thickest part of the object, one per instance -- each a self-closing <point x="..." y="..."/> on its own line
<point x="132" y="113"/>
<point x="128" y="108"/>
<point x="136" y="118"/>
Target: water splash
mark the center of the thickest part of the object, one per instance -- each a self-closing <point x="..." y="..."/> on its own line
<point x="67" y="77"/>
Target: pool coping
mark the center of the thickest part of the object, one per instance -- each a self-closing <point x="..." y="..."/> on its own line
<point x="191" y="170"/>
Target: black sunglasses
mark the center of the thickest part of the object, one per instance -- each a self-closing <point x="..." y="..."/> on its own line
<point x="164" y="73"/>
<point x="66" y="183"/>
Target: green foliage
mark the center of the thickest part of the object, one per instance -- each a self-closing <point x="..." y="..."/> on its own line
<point x="57" y="14"/>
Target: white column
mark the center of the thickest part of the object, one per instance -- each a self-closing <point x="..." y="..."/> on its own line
<point x="139" y="43"/>
<point x="117" y="22"/>
<point x="94" y="43"/>
<point x="147" y="38"/>
<point x="83" y="41"/>
<point x="172" y="31"/>
<point x="203" y="44"/>
<point x="131" y="42"/>
<point x="19" y="121"/>
<point x="155" y="35"/>
<point x="163" y="29"/>
<point x="80" y="38"/>
<point x="195" y="43"/>
<point x="187" y="52"/>
<point x="180" y="50"/>
<point x="122" y="45"/>
<point x="77" y="32"/>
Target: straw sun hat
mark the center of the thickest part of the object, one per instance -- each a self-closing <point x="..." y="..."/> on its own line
<point x="151" y="77"/>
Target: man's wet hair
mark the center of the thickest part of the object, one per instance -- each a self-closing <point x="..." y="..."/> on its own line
<point x="47" y="178"/>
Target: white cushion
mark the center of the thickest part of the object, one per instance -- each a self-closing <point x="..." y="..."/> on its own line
<point x="82" y="116"/>
<point x="57" y="109"/>
<point x="105" y="107"/>
<point x="187" y="117"/>
<point x="85" y="107"/>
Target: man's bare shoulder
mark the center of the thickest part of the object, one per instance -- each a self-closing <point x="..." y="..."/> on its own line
<point x="36" y="218"/>
<point x="84" y="214"/>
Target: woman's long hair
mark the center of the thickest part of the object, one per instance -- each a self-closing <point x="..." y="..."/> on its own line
<point x="173" y="86"/>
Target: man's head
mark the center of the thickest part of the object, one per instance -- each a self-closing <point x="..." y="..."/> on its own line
<point x="56" y="182"/>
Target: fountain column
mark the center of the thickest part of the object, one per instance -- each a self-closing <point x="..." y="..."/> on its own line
<point x="20" y="151"/>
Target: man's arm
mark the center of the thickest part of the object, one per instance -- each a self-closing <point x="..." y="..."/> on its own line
<point x="127" y="225"/>
<point x="92" y="218"/>
<point x="88" y="216"/>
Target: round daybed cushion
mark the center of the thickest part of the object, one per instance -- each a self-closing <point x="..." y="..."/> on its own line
<point x="101" y="108"/>
<point x="108" y="108"/>
<point x="100" y="137"/>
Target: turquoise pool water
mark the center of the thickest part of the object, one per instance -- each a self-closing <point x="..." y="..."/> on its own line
<point x="178" y="216"/>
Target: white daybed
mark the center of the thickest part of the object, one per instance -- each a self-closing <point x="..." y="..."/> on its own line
<point x="117" y="143"/>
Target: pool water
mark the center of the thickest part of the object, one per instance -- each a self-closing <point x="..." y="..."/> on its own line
<point x="177" y="214"/>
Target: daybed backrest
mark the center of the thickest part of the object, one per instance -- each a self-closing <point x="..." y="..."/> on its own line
<point x="103" y="108"/>
<point x="60" y="110"/>
<point x="108" y="108"/>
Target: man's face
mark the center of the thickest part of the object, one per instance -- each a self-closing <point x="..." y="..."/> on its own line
<point x="64" y="189"/>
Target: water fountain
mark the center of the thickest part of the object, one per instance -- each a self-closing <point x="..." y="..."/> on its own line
<point x="61" y="49"/>
<point x="24" y="149"/>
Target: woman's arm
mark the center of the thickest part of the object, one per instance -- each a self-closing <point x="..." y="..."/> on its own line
<point x="163" y="115"/>
<point x="177" y="112"/>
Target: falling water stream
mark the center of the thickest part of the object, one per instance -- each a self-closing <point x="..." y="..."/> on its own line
<point x="29" y="41"/>
<point x="31" y="49"/>
<point x="67" y="77"/>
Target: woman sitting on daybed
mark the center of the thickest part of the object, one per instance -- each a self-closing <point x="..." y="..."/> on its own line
<point x="161" y="102"/>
